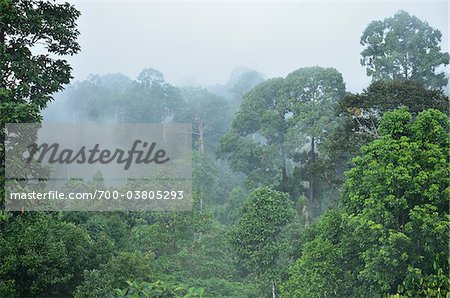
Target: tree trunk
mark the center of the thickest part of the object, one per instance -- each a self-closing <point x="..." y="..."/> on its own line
<point x="284" y="170"/>
<point x="406" y="66"/>
<point x="201" y="139"/>
<point x="273" y="290"/>
<point x="311" y="176"/>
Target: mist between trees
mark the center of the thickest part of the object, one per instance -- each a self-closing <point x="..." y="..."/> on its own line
<point x="301" y="188"/>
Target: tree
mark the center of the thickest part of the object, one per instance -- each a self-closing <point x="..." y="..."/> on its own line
<point x="96" y="99"/>
<point x="276" y="119"/>
<point x="28" y="80"/>
<point x="153" y="99"/>
<point x="256" y="236"/>
<point x="137" y="289"/>
<point x="311" y="94"/>
<point x="327" y="260"/>
<point x="404" y="47"/>
<point x="229" y="212"/>
<point x="117" y="98"/>
<point x="208" y="113"/>
<point x="205" y="179"/>
<point x="124" y="266"/>
<point x="191" y="248"/>
<point x="242" y="84"/>
<point x="42" y="256"/>
<point x="255" y="143"/>
<point x="360" y="116"/>
<point x="241" y="81"/>
<point x="392" y="234"/>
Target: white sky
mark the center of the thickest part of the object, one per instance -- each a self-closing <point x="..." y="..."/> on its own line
<point x="202" y="42"/>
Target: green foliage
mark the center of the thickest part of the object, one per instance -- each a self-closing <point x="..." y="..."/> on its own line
<point x="362" y="112"/>
<point x="404" y="47"/>
<point x="274" y="122"/>
<point x="168" y="232"/>
<point x="327" y="258"/>
<point x="28" y="80"/>
<point x="112" y="226"/>
<point x="392" y="235"/>
<point x="208" y="113"/>
<point x="42" y="256"/>
<point x="228" y="213"/>
<point x="220" y="287"/>
<point x="153" y="99"/>
<point x="311" y="94"/>
<point x="124" y="266"/>
<point x="205" y="179"/>
<point x="96" y="99"/>
<point x="189" y="245"/>
<point x="431" y="285"/>
<point x="208" y="255"/>
<point x="361" y="115"/>
<point x="158" y="289"/>
<point x="256" y="237"/>
<point x="31" y="79"/>
<point x="410" y="162"/>
<point x="253" y="144"/>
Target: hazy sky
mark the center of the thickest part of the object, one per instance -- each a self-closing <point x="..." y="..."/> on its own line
<point x="202" y="42"/>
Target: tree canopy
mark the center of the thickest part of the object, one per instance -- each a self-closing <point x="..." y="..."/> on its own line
<point x="28" y="80"/>
<point x="257" y="237"/>
<point x="404" y="47"/>
<point x="394" y="217"/>
<point x="299" y="188"/>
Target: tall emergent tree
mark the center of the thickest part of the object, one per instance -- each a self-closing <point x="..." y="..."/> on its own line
<point x="27" y="79"/>
<point x="404" y="47"/>
<point x="392" y="234"/>
<point x="312" y="94"/>
<point x="208" y="113"/>
<point x="275" y="121"/>
<point x="255" y="145"/>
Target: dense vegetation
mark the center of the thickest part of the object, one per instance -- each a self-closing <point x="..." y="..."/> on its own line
<point x="301" y="189"/>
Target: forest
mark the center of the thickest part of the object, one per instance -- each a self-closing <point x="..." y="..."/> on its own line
<point x="301" y="188"/>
